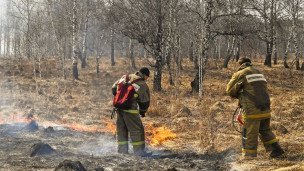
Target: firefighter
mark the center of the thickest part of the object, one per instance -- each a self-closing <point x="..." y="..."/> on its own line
<point x="249" y="86"/>
<point x="129" y="121"/>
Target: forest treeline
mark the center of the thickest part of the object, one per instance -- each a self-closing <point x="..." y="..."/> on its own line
<point x="166" y="31"/>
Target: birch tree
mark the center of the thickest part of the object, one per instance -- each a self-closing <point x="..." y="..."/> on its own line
<point x="144" y="21"/>
<point x="293" y="10"/>
<point x="265" y="9"/>
<point x="75" y="48"/>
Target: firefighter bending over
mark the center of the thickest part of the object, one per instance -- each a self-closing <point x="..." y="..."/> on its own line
<point x="132" y="99"/>
<point x="249" y="86"/>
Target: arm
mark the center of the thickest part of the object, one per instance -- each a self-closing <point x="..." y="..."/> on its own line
<point x="143" y="99"/>
<point x="234" y="85"/>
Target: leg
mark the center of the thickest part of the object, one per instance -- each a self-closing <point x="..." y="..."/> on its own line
<point x="122" y="133"/>
<point x="250" y="138"/>
<point x="269" y="139"/>
<point x="266" y="135"/>
<point x="137" y="133"/>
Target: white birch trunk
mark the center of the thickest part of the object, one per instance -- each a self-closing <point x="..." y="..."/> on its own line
<point x="74" y="42"/>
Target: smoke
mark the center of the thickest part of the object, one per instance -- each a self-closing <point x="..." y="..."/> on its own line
<point x="102" y="145"/>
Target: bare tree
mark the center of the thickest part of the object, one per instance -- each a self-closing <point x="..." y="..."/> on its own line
<point x="145" y="21"/>
<point x="294" y="6"/>
<point x="131" y="54"/>
<point x="266" y="11"/>
<point x="112" y="47"/>
<point x="75" y="48"/>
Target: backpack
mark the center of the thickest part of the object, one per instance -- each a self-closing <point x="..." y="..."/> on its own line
<point x="125" y="93"/>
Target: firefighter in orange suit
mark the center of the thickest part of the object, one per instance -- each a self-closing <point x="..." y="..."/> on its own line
<point x="128" y="121"/>
<point x="249" y="86"/>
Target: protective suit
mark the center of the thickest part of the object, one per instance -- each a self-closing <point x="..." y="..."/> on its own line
<point x="128" y="121"/>
<point x="249" y="86"/>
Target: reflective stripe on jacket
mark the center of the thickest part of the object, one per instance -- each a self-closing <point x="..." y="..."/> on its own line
<point x="250" y="87"/>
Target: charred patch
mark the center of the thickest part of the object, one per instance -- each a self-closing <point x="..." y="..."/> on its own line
<point x="41" y="149"/>
<point x="70" y="165"/>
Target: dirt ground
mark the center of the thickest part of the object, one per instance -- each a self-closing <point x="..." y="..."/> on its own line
<point x="183" y="132"/>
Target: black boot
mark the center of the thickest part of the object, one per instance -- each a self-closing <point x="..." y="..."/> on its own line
<point x="277" y="150"/>
<point x="123" y="149"/>
<point x="139" y="150"/>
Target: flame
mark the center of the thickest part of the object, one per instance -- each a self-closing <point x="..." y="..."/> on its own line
<point x="82" y="128"/>
<point x="109" y="128"/>
<point x="158" y="135"/>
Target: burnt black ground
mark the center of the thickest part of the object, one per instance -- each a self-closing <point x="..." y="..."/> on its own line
<point x="93" y="150"/>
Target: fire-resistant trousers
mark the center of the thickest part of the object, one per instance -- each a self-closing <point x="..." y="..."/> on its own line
<point x="129" y="123"/>
<point x="253" y="129"/>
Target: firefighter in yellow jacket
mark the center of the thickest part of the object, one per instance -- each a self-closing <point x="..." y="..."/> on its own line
<point x="128" y="121"/>
<point x="249" y="86"/>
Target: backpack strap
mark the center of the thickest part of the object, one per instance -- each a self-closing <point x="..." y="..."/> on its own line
<point x="127" y="77"/>
<point x="139" y="79"/>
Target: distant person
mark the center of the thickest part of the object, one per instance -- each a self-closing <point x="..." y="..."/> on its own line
<point x="132" y="100"/>
<point x="249" y="86"/>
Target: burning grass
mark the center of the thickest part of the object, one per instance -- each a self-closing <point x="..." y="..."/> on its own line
<point x="156" y="136"/>
<point x="209" y="119"/>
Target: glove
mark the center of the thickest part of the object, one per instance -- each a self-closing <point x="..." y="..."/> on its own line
<point x="142" y="113"/>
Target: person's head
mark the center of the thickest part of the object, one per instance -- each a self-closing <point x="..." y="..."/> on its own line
<point x="145" y="72"/>
<point x="244" y="60"/>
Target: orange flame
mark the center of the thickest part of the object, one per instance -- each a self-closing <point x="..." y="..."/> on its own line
<point x="82" y="128"/>
<point x="158" y="135"/>
<point x="109" y="128"/>
<point x="155" y="135"/>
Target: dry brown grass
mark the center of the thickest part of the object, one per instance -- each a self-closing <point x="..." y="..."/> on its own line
<point x="208" y="126"/>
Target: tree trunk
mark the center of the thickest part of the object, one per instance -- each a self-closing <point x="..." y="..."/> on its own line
<point x="227" y="59"/>
<point x="97" y="65"/>
<point x="60" y="44"/>
<point x="268" y="55"/>
<point x="28" y="41"/>
<point x="195" y="84"/>
<point x="84" y="43"/>
<point x="275" y="52"/>
<point x="196" y="56"/>
<point x="131" y="54"/>
<point x="158" y="74"/>
<point x="275" y="43"/>
<point x="238" y="49"/>
<point x="205" y="46"/>
<point x="270" y="35"/>
<point x="275" y="56"/>
<point x="191" y="51"/>
<point x="229" y="53"/>
<point x="219" y="50"/>
<point x="143" y="53"/>
<point x="159" y="54"/>
<point x="178" y="55"/>
<point x="286" y="51"/>
<point x="74" y="43"/>
<point x="112" y="48"/>
<point x="8" y="42"/>
<point x="297" y="60"/>
<point x="171" y="82"/>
